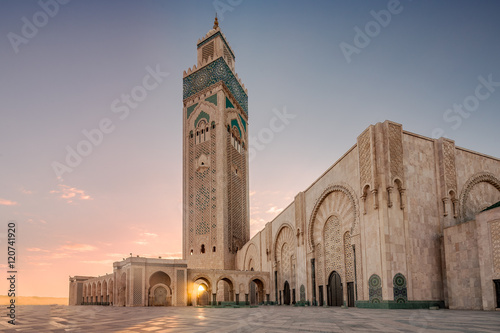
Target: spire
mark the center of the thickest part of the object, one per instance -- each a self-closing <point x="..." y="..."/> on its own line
<point x="216" y="22"/>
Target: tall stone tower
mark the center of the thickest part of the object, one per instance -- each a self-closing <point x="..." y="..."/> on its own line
<point x="215" y="155"/>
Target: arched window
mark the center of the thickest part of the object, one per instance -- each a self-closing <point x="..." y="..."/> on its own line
<point x="202" y="132"/>
<point x="202" y="248"/>
<point x="236" y="141"/>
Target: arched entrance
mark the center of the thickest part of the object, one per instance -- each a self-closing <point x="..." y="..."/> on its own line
<point x="202" y="297"/>
<point x="159" y="290"/>
<point x="201" y="293"/>
<point x="110" y="288"/>
<point x="160" y="295"/>
<point x="286" y="293"/>
<point x="256" y="291"/>
<point x="225" y="290"/>
<point x="334" y="290"/>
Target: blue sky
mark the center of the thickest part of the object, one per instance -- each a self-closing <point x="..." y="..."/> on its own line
<point x="125" y="195"/>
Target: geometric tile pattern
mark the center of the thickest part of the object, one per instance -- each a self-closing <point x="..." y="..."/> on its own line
<point x="302" y="293"/>
<point x="495" y="245"/>
<point x="137" y="298"/>
<point x="214" y="187"/>
<point x="237" y="191"/>
<point x="320" y="276"/>
<point x="375" y="288"/>
<point x="348" y="258"/>
<point x="400" y="292"/>
<point x="396" y="151"/>
<point x="285" y="246"/>
<point x="180" y="287"/>
<point x="212" y="73"/>
<point x="333" y="246"/>
<point x="202" y="192"/>
<point x="365" y="160"/>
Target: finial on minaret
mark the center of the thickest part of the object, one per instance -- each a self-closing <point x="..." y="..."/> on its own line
<point x="216" y="22"/>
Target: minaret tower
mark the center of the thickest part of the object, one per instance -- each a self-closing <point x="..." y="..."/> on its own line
<point x="215" y="156"/>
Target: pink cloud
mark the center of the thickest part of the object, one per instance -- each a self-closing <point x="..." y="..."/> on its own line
<point x="149" y="234"/>
<point x="35" y="249"/>
<point x="36" y="263"/>
<point x="35" y="222"/>
<point x="78" y="247"/>
<point x="274" y="209"/>
<point x="99" y="262"/>
<point x="25" y="191"/>
<point x="5" y="202"/>
<point x="71" y="193"/>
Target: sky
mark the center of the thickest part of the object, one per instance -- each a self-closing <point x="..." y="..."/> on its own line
<point x="87" y="185"/>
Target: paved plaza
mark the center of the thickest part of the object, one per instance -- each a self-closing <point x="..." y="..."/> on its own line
<point x="59" y="318"/>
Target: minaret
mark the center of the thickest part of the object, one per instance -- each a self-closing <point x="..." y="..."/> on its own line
<point x="215" y="156"/>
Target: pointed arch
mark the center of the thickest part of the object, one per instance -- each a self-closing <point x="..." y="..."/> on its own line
<point x="284" y="235"/>
<point x="466" y="212"/>
<point x="336" y="200"/>
<point x="252" y="258"/>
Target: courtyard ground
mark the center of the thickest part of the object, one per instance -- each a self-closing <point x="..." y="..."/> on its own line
<point x="60" y="318"/>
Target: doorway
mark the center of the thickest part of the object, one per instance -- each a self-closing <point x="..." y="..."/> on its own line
<point x="334" y="290"/>
<point x="497" y="289"/>
<point x="286" y="293"/>
<point x="350" y="294"/>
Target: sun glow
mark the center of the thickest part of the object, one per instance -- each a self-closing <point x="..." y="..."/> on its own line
<point x="201" y="288"/>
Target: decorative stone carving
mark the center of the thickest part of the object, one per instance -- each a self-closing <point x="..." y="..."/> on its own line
<point x="342" y="203"/>
<point x="495" y="245"/>
<point x="365" y="158"/>
<point x="481" y="177"/>
<point x="396" y="151"/>
<point x="450" y="173"/>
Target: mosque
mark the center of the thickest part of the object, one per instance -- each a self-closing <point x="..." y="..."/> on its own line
<point x="399" y="221"/>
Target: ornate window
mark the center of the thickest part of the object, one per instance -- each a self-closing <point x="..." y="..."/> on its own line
<point x="202" y="132"/>
<point x="236" y="141"/>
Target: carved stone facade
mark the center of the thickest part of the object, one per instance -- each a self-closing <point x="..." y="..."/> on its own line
<point x="374" y="221"/>
<point x="395" y="222"/>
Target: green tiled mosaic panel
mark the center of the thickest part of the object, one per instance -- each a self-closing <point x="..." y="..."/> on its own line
<point x="190" y="109"/>
<point x="212" y="99"/>
<point x="212" y="73"/>
<point x="202" y="115"/>
<point x="234" y="122"/>
<point x="243" y="122"/>
<point x="400" y="292"/>
<point x="375" y="288"/>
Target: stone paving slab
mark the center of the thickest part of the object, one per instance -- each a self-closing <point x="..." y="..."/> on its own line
<point x="276" y="319"/>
